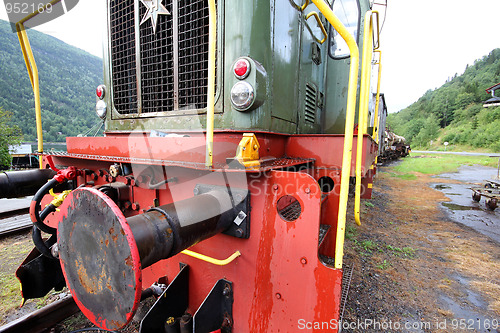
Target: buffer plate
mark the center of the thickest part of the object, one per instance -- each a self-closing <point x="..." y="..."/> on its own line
<point x="99" y="258"/>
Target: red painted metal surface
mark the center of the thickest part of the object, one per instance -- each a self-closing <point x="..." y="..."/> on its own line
<point x="326" y="150"/>
<point x="280" y="282"/>
<point x="279" y="278"/>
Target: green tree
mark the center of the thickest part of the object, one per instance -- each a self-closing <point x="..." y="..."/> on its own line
<point x="428" y="132"/>
<point x="9" y="135"/>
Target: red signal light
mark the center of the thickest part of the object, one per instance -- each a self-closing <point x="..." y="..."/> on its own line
<point x="100" y="91"/>
<point x="241" y="68"/>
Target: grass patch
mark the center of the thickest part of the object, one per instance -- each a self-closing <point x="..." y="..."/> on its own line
<point x="350" y="232"/>
<point x="11" y="255"/>
<point x="368" y="245"/>
<point x="384" y="265"/>
<point x="404" y="176"/>
<point x="439" y="163"/>
<point x="406" y="251"/>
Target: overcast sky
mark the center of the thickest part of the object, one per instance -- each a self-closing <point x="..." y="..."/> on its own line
<point x="426" y="42"/>
<point x="423" y="43"/>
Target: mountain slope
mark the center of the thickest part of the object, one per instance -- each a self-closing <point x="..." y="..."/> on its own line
<point x="68" y="78"/>
<point x="454" y="112"/>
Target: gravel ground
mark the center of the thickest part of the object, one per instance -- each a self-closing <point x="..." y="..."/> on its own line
<point x="415" y="270"/>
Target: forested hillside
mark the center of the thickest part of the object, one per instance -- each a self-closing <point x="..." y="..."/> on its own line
<point x="68" y="78"/>
<point x="454" y="112"/>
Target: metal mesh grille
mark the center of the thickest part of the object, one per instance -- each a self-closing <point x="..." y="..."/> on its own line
<point x="193" y="53"/>
<point x="157" y="63"/>
<point x="161" y="88"/>
<point x="291" y="212"/>
<point x="123" y="55"/>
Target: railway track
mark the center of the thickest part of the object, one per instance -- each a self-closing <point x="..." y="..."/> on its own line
<point x="14" y="215"/>
<point x="14" y="221"/>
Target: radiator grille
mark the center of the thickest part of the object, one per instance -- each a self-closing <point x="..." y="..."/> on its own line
<point x="193" y="53"/>
<point x="122" y="35"/>
<point x="173" y="61"/>
<point x="310" y="104"/>
<point x="157" y="62"/>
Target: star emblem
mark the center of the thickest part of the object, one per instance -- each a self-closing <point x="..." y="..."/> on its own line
<point x="155" y="8"/>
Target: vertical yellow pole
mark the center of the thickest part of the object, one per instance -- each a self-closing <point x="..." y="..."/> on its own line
<point x="212" y="36"/>
<point x="364" y="96"/>
<point x="30" y="62"/>
<point x="33" y="73"/>
<point x="349" y="126"/>
<point x="377" y="100"/>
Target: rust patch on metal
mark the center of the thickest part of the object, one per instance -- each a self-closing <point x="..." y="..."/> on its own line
<point x="89" y="284"/>
<point x="114" y="237"/>
<point x="129" y="261"/>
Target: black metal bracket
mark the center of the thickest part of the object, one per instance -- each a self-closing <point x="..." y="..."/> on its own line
<point x="216" y="312"/>
<point x="172" y="303"/>
<point x="238" y="218"/>
<point x="38" y="274"/>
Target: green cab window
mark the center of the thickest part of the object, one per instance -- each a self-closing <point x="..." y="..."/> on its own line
<point x="347" y="11"/>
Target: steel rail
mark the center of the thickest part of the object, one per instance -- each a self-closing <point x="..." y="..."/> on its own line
<point x="42" y="319"/>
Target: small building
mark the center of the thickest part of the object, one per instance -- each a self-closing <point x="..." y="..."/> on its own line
<point x="494" y="100"/>
<point x="22" y="156"/>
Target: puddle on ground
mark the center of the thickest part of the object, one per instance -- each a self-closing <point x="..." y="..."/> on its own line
<point x="441" y="186"/>
<point x="463" y="310"/>
<point x="453" y="206"/>
<point x="461" y="208"/>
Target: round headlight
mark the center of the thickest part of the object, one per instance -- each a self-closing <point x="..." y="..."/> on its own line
<point x="242" y="96"/>
<point x="101" y="108"/>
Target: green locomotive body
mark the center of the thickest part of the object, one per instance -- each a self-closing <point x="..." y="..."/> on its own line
<point x="300" y="85"/>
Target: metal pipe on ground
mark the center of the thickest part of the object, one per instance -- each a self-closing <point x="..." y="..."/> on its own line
<point x="15" y="184"/>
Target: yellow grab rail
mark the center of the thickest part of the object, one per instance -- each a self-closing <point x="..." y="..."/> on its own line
<point x="29" y="60"/>
<point x="210" y="259"/>
<point x="212" y="36"/>
<point x="377" y="99"/>
<point x="306" y="3"/>
<point x="320" y="25"/>
<point x="349" y="125"/>
<point x="364" y="96"/>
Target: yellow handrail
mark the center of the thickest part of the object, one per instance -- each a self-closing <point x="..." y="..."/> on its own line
<point x="349" y="125"/>
<point x="320" y="25"/>
<point x="306" y="3"/>
<point x="212" y="36"/>
<point x="377" y="99"/>
<point x="29" y="60"/>
<point x="210" y="259"/>
<point x="364" y="96"/>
